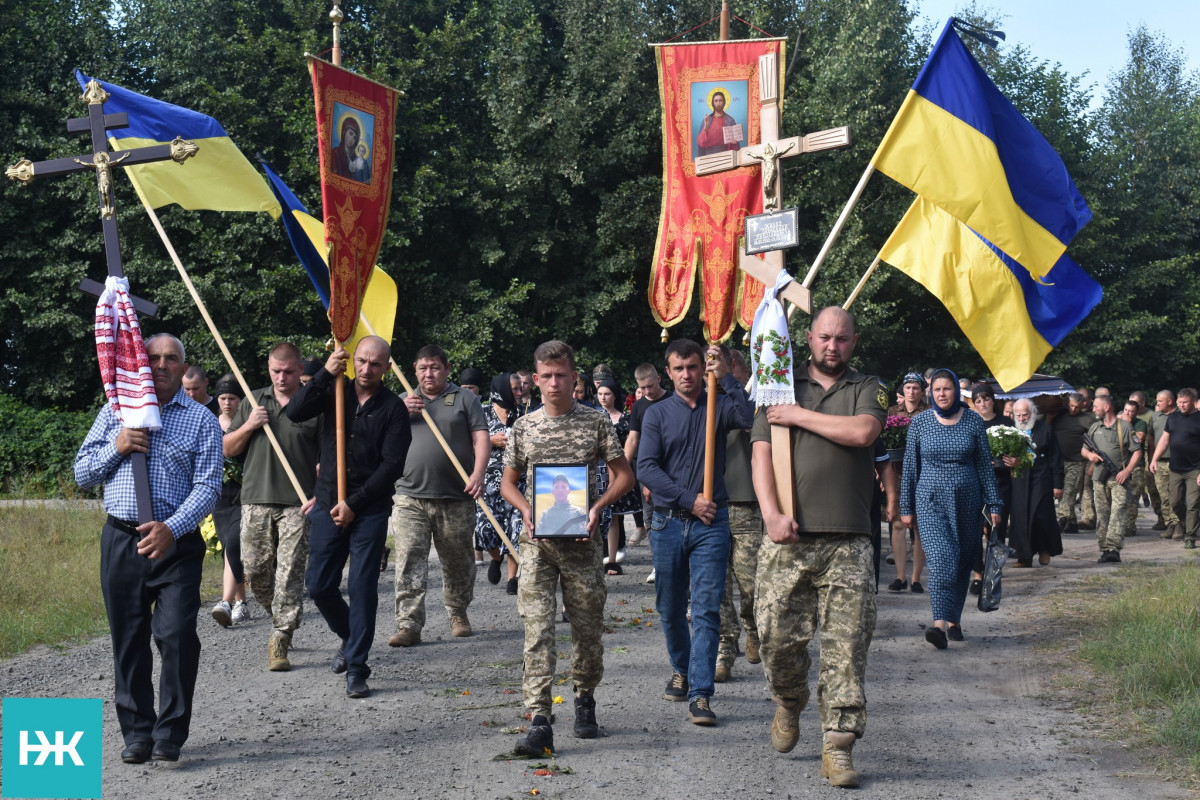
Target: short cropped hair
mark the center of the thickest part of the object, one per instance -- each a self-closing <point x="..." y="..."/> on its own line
<point x="684" y="349"/>
<point x="285" y="351"/>
<point x="430" y="352"/>
<point x="1189" y="393"/>
<point x="554" y="350"/>
<point x="196" y="372"/>
<point x="645" y="371"/>
<point x="178" y="342"/>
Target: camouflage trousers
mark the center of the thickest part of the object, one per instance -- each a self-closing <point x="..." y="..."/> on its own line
<point x="1073" y="476"/>
<point x="1087" y="501"/>
<point x="579" y="568"/>
<point x="746" y="528"/>
<point x="1111" y="517"/>
<point x="1137" y="485"/>
<point x="450" y="526"/>
<point x="275" y="555"/>
<point x="1162" y="480"/>
<point x="826" y="583"/>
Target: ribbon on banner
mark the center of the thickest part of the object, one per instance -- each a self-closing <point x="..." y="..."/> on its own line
<point x="771" y="360"/>
<point x="124" y="366"/>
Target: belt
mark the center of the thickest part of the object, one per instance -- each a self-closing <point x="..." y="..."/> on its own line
<point x="676" y="513"/>
<point x="122" y="525"/>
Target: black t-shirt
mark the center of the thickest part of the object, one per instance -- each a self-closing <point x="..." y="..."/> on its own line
<point x="639" y="411"/>
<point x="1185" y="440"/>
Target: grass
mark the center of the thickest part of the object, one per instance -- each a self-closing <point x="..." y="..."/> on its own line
<point x="1139" y="632"/>
<point x="50" y="576"/>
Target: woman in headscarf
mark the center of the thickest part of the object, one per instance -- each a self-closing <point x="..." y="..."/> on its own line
<point x="501" y="413"/>
<point x="946" y="480"/>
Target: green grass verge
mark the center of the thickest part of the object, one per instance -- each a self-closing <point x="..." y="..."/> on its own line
<point x="1138" y="629"/>
<point x="50" y="576"/>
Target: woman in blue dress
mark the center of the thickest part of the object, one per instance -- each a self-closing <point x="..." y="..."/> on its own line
<point x="946" y="480"/>
<point x="501" y="413"/>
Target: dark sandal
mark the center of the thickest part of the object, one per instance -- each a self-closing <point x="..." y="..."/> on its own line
<point x="613" y="568"/>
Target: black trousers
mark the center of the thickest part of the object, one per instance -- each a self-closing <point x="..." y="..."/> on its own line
<point x="132" y="585"/>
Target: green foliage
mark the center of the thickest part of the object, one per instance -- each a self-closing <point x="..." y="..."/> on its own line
<point x="35" y="441"/>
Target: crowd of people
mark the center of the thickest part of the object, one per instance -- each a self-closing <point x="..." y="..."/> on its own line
<point x="487" y="482"/>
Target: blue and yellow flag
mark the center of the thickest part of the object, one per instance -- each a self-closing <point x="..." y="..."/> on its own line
<point x="961" y="144"/>
<point x="307" y="235"/>
<point x="217" y="178"/>
<point x="1012" y="320"/>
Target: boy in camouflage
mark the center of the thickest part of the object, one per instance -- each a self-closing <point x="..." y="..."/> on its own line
<point x="561" y="432"/>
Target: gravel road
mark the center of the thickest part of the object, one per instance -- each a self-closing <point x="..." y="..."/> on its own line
<point x="977" y="720"/>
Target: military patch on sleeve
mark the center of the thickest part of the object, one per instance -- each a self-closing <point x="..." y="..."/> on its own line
<point x="881" y="396"/>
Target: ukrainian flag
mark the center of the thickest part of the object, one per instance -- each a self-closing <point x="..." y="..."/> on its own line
<point x="1012" y="320"/>
<point x="307" y="235"/>
<point x="217" y="178"/>
<point x="961" y="144"/>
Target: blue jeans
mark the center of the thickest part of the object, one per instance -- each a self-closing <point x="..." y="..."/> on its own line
<point x="691" y="553"/>
<point x="329" y="547"/>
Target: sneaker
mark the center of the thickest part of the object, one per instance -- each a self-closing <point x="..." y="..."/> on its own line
<point x="585" y="717"/>
<point x="494" y="572"/>
<point x="277" y="652"/>
<point x="650" y="579"/>
<point x="460" y="626"/>
<point x="677" y="688"/>
<point x="405" y="637"/>
<point x="637" y="537"/>
<point x="917" y="588"/>
<point x="836" y="764"/>
<point x="700" y="714"/>
<point x="752" y="649"/>
<point x="897" y="585"/>
<point x="241" y="612"/>
<point x="621" y="555"/>
<point x="722" y="673"/>
<point x="539" y="741"/>
<point x="512" y="586"/>
<point x="785" y="729"/>
<point x="223" y="614"/>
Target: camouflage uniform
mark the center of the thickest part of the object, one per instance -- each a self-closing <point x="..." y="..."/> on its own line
<point x="827" y="578"/>
<point x="1074" y="474"/>
<point x="1087" y="501"/>
<point x="583" y="435"/>
<point x="275" y="554"/>
<point x="1162" y="480"/>
<point x="448" y="524"/>
<point x="1112" y="498"/>
<point x="1162" y="472"/>
<point x="746" y="527"/>
<point x="1137" y="485"/>
<point x="561" y="519"/>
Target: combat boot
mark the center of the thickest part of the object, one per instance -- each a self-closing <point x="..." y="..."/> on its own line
<point x="1178" y="531"/>
<point x="1168" y="532"/>
<point x="836" y="764"/>
<point x="277" y="652"/>
<point x="539" y="741"/>
<point x="785" y="730"/>
<point x="723" y="673"/>
<point x="585" y="716"/>
<point x="752" y="653"/>
<point x="459" y="625"/>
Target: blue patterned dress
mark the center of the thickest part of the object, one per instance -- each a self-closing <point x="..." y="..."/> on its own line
<point x="946" y="480"/>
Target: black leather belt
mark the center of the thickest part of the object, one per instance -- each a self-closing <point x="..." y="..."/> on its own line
<point x="122" y="525"/>
<point x="677" y="513"/>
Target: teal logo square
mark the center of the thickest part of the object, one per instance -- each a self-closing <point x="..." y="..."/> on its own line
<point x="51" y="748"/>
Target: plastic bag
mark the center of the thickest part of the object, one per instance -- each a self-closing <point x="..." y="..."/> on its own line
<point x="995" y="553"/>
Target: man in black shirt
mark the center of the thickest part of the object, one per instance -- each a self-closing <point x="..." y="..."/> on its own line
<point x="650" y="385"/>
<point x="378" y="435"/>
<point x="1182" y="436"/>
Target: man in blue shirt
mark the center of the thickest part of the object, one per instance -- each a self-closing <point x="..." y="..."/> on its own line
<point x="690" y="532"/>
<point x="155" y="564"/>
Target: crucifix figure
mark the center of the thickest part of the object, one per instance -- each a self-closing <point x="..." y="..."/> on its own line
<point x="97" y="123"/>
<point x="767" y="269"/>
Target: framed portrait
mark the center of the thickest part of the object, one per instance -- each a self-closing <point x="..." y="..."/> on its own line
<point x="353" y="133"/>
<point x="718" y="116"/>
<point x="561" y="501"/>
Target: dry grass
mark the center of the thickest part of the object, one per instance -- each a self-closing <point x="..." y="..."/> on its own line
<point x="50" y="576"/>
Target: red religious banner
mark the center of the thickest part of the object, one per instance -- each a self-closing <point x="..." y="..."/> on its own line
<point x="710" y="97"/>
<point x="356" y="130"/>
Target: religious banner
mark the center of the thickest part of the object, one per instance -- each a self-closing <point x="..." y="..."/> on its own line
<point x="711" y="104"/>
<point x="356" y="121"/>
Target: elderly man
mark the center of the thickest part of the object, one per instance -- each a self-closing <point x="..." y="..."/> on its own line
<point x="1117" y="440"/>
<point x="150" y="572"/>
<point x="431" y="505"/>
<point x="1033" y="528"/>
<point x="1069" y="428"/>
<point x="815" y="571"/>
<point x="1164" y="406"/>
<point x="1181" y="436"/>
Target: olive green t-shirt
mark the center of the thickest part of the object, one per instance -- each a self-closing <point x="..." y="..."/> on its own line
<point x="264" y="480"/>
<point x="834" y="483"/>
<point x="428" y="472"/>
<point x="1118" y="441"/>
<point x="739" y="481"/>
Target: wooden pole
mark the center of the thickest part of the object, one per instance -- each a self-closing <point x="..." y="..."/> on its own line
<point x="724" y="20"/>
<point x="339" y="395"/>
<point x="861" y="283"/>
<point x="212" y="328"/>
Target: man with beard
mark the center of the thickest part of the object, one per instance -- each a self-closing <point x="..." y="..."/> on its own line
<point x="1033" y="527"/>
<point x="815" y="571"/>
<point x="1116" y="439"/>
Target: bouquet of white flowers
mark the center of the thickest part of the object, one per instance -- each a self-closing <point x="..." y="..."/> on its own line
<point x="1005" y="440"/>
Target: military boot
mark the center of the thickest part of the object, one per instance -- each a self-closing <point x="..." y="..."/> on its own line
<point x="1168" y="532"/>
<point x="723" y="672"/>
<point x="785" y="730"/>
<point x="1178" y="531"/>
<point x="752" y="653"/>
<point x="836" y="764"/>
<point x="277" y="652"/>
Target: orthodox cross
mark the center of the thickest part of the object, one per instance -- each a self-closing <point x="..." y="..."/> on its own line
<point x="101" y="161"/>
<point x="767" y="269"/>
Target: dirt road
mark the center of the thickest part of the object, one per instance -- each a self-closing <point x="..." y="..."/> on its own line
<point x="978" y="720"/>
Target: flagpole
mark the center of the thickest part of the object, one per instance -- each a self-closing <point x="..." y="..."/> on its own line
<point x="437" y="434"/>
<point x="212" y="328"/>
<point x="339" y="402"/>
<point x="861" y="283"/>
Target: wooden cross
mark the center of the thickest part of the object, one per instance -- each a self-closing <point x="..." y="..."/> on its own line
<point x="766" y="270"/>
<point x="101" y="162"/>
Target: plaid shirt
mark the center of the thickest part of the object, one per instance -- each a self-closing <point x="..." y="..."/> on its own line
<point x="184" y="462"/>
